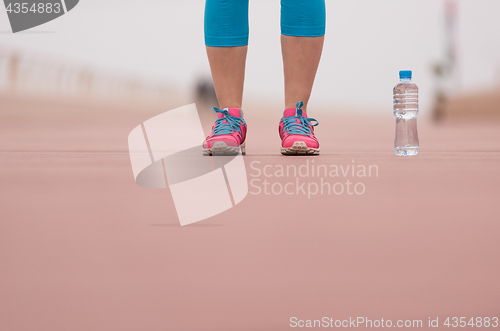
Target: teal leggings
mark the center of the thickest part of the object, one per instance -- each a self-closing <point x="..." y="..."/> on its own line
<point x="226" y="21"/>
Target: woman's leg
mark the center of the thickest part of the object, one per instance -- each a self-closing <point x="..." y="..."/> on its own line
<point x="301" y="57"/>
<point x="226" y="40"/>
<point x="302" y="35"/>
<point x="303" y="27"/>
<point x="227" y="65"/>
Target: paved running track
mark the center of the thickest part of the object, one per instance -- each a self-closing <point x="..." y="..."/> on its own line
<point x="82" y="247"/>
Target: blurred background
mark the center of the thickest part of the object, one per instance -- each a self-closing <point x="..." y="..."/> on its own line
<point x="151" y="52"/>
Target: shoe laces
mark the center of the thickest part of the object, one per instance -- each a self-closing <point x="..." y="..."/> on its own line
<point x="299" y="124"/>
<point x="227" y="124"/>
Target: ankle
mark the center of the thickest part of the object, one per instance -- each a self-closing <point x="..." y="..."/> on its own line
<point x="230" y="105"/>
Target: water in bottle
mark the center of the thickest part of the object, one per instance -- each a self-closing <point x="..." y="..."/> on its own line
<point x="406" y="110"/>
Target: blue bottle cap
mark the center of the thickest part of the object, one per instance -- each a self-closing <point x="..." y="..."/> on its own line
<point x="405" y="74"/>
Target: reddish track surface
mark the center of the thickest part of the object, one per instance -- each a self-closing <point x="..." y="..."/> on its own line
<point x="82" y="247"/>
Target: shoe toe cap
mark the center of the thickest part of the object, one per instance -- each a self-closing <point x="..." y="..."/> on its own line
<point x="227" y="139"/>
<point x="309" y="141"/>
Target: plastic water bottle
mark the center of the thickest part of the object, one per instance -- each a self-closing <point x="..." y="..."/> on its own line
<point x="406" y="110"/>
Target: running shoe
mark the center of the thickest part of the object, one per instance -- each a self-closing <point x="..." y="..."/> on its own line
<point x="228" y="133"/>
<point x="297" y="132"/>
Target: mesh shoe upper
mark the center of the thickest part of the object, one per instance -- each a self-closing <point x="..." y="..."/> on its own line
<point x="230" y="127"/>
<point x="296" y="126"/>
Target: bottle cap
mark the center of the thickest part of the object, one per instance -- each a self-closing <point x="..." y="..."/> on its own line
<point x="405" y="74"/>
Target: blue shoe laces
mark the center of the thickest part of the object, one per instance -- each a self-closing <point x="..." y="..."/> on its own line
<point x="232" y="123"/>
<point x="291" y="125"/>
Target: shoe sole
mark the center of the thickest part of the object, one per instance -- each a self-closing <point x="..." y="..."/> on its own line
<point x="221" y="148"/>
<point x="299" y="148"/>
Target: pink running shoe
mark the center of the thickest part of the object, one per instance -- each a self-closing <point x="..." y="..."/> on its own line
<point x="297" y="132"/>
<point x="228" y="133"/>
